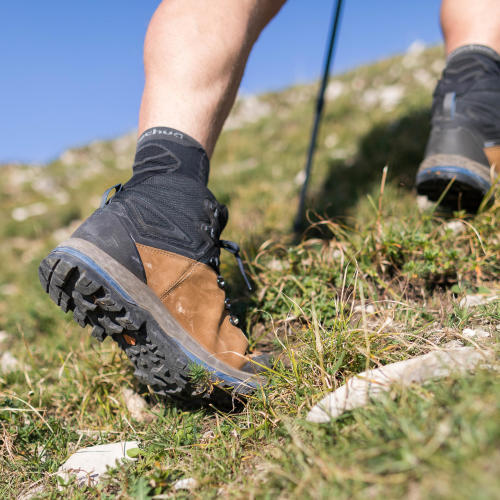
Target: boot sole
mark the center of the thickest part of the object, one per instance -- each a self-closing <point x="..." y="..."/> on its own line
<point x="80" y="277"/>
<point x="471" y="181"/>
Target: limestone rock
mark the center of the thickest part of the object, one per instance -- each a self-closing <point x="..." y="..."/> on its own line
<point x="477" y="300"/>
<point x="188" y="483"/>
<point x="89" y="464"/>
<point x="136" y="405"/>
<point x="478" y="333"/>
<point x="8" y="363"/>
<point x="359" y="390"/>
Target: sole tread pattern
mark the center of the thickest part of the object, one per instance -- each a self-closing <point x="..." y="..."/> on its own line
<point x="164" y="367"/>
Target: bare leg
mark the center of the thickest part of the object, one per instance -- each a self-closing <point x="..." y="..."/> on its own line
<point x="194" y="57"/>
<point x="470" y="22"/>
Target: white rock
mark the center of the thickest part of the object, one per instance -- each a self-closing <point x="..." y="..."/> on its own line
<point x="334" y="90"/>
<point x="331" y="140"/>
<point x="8" y="363"/>
<point x="300" y="178"/>
<point x="477" y="300"/>
<point x="359" y="390"/>
<point x="391" y="96"/>
<point x="34" y="491"/>
<point x="9" y="289"/>
<point x="186" y="484"/>
<point x="89" y="464"/>
<point x="425" y="78"/>
<point x="3" y="336"/>
<point x="456" y="226"/>
<point x="423" y="203"/>
<point x="248" y="109"/>
<point x="413" y="54"/>
<point x="136" y="405"/>
<point x="61" y="197"/>
<point x="438" y="66"/>
<point x="208" y="436"/>
<point x="45" y="185"/>
<point x="387" y="97"/>
<point x="370" y="97"/>
<point x="368" y="309"/>
<point x="277" y="265"/>
<point x="452" y="344"/>
<point x="475" y="334"/>
<point x="22" y="213"/>
<point x="69" y="158"/>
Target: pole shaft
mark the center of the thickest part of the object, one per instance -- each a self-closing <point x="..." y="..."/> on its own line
<point x="319" y="111"/>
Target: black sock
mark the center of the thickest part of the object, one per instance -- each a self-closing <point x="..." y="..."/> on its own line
<point x="166" y="149"/>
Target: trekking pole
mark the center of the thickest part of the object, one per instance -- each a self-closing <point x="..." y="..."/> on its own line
<point x="319" y="110"/>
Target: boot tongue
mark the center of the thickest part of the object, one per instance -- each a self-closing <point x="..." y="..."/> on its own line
<point x="166" y="150"/>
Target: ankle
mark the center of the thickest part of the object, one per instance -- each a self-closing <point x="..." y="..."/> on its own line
<point x="169" y="151"/>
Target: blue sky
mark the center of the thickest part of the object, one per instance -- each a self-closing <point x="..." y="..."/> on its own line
<point x="72" y="71"/>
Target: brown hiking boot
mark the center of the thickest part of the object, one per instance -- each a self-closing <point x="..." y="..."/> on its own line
<point x="144" y="269"/>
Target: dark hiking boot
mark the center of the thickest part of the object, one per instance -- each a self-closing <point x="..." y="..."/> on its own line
<point x="464" y="143"/>
<point x="144" y="270"/>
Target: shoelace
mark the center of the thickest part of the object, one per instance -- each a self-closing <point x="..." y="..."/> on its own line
<point x="230" y="246"/>
<point x="234" y="248"/>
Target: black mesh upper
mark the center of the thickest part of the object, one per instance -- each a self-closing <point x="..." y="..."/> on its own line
<point x="472" y="74"/>
<point x="172" y="212"/>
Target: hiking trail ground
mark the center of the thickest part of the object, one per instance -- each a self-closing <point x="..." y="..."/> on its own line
<point x="374" y="279"/>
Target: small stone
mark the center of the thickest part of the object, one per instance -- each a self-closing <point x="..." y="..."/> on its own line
<point x="3" y="336"/>
<point x="331" y="140"/>
<point x="8" y="363"/>
<point x="34" y="491"/>
<point x="335" y="89"/>
<point x="477" y="300"/>
<point x="424" y="78"/>
<point x="475" y="334"/>
<point x="188" y="483"/>
<point x="89" y="464"/>
<point x="248" y="109"/>
<point x="277" y="265"/>
<point x="455" y="226"/>
<point x="423" y="203"/>
<point x="413" y="54"/>
<point x="136" y="405"/>
<point x="22" y="213"/>
<point x="208" y="436"/>
<point x="438" y="66"/>
<point x="368" y="309"/>
<point x="300" y="178"/>
<point x="391" y="96"/>
<point x="453" y="344"/>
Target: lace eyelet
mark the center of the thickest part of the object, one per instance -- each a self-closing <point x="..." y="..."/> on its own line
<point x="234" y="320"/>
<point x="221" y="282"/>
<point x="227" y="304"/>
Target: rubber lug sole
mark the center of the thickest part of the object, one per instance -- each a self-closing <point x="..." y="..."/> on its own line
<point x="160" y="362"/>
<point x="470" y="185"/>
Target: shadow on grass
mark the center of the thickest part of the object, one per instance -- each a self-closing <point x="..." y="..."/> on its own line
<point x="399" y="144"/>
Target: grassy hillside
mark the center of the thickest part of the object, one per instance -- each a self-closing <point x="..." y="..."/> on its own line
<point x="373" y="280"/>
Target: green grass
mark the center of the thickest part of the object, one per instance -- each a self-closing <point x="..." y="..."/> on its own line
<point x="372" y="281"/>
